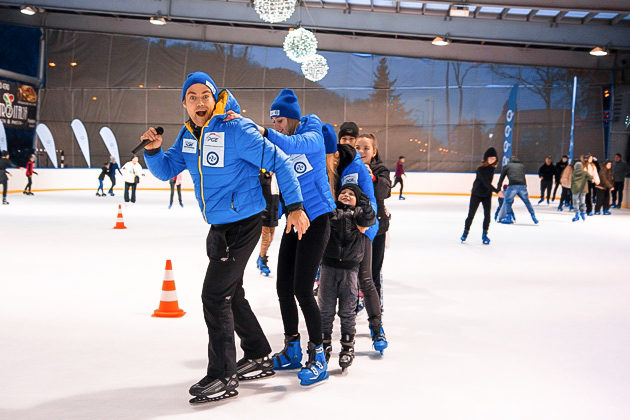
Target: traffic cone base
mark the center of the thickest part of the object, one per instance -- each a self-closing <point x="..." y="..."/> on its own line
<point x="120" y="222"/>
<point x="169" y="308"/>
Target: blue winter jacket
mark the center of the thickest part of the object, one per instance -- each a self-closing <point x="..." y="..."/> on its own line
<point x="225" y="165"/>
<point x="307" y="154"/>
<point x="357" y="173"/>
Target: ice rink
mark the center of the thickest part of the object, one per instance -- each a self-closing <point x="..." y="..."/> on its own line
<point x="533" y="326"/>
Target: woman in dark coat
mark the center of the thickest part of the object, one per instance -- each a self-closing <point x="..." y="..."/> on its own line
<point x="482" y="193"/>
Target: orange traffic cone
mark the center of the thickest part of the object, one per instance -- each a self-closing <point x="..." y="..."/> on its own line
<point x="120" y="223"/>
<point x="169" y="307"/>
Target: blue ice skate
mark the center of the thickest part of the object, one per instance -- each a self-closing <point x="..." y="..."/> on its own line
<point x="464" y="236"/>
<point x="485" y="239"/>
<point x="315" y="369"/>
<point x="378" y="338"/>
<point x="607" y="212"/>
<point x="534" y="219"/>
<point x="261" y="263"/>
<point x="582" y="216"/>
<point x="577" y="217"/>
<point x="291" y="356"/>
<point x="598" y="213"/>
<point x="507" y="220"/>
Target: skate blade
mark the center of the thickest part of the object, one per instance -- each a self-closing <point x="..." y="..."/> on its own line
<point x="259" y="375"/>
<point x="344" y="371"/>
<point x="202" y="399"/>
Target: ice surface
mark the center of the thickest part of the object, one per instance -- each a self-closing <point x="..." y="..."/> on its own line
<point x="533" y="326"/>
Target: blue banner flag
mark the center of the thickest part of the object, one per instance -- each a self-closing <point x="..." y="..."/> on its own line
<point x="571" y="141"/>
<point x="510" y="114"/>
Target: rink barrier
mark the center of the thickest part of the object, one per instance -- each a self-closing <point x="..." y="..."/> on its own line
<point x="455" y="184"/>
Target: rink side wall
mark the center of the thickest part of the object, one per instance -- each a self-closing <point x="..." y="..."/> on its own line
<point x="418" y="183"/>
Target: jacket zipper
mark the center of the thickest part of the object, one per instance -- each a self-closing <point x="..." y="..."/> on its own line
<point x="203" y="198"/>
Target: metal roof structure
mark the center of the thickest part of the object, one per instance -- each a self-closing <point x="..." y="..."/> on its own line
<point x="522" y="32"/>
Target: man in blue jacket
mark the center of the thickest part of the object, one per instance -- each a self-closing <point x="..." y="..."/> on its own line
<point x="224" y="159"/>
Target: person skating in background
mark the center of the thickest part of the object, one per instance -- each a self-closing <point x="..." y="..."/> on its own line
<point x="482" y="190"/>
<point x="269" y="217"/>
<point x="367" y="146"/>
<point x="212" y="148"/>
<point x="515" y="172"/>
<point x="591" y="168"/>
<point x="101" y="177"/>
<point x="30" y="170"/>
<point x="113" y="167"/>
<point x="5" y="163"/>
<point x="559" y="168"/>
<point x="176" y="181"/>
<point x="546" y="174"/>
<point x="340" y="268"/>
<point x="348" y="133"/>
<point x="132" y="171"/>
<point x="501" y="199"/>
<point x="566" y="198"/>
<point x="620" y="171"/>
<point x="400" y="171"/>
<point x="606" y="184"/>
<point x="345" y="166"/>
<point x="579" y="189"/>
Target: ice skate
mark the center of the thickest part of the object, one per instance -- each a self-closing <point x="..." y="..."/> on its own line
<point x="576" y="217"/>
<point x="291" y="356"/>
<point x="346" y="356"/>
<point x="252" y="369"/>
<point x="210" y="390"/>
<point x="4" y="201"/>
<point x="485" y="239"/>
<point x="378" y="335"/>
<point x="315" y="369"/>
<point x="262" y="265"/>
<point x="327" y="343"/>
<point x="607" y="212"/>
<point x="597" y="213"/>
<point x="507" y="220"/>
<point x="534" y="219"/>
<point x="464" y="236"/>
<point x="582" y="216"/>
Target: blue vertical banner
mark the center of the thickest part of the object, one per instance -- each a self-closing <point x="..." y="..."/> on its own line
<point x="508" y="131"/>
<point x="571" y="136"/>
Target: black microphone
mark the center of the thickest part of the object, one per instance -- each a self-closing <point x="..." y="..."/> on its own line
<point x="139" y="147"/>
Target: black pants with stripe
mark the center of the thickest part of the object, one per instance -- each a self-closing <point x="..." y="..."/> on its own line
<point x="225" y="308"/>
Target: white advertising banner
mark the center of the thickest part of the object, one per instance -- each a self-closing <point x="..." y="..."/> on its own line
<point x="45" y="136"/>
<point x="82" y="138"/>
<point x="3" y="138"/>
<point x="110" y="142"/>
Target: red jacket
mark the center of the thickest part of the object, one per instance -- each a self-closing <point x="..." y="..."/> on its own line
<point x="399" y="169"/>
<point x="29" y="168"/>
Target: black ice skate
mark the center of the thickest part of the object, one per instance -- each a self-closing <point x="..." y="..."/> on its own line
<point x="327" y="343"/>
<point x="251" y="369"/>
<point x="346" y="356"/>
<point x="210" y="390"/>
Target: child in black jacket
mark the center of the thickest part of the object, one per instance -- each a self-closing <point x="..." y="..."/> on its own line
<point x="340" y="268"/>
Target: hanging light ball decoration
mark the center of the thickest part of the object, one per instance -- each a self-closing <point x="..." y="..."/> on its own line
<point x="300" y="44"/>
<point x="315" y="68"/>
<point x="274" y="11"/>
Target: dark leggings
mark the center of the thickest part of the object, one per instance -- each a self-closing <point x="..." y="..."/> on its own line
<point x="396" y="181"/>
<point x="366" y="283"/>
<point x="179" y="192"/>
<point x="603" y="199"/>
<point x="555" y="190"/>
<point x="617" y="194"/>
<point x="589" y="197"/>
<point x="298" y="261"/>
<point x="545" y="186"/>
<point x="4" y="188"/>
<point x="472" y="209"/>
<point x="378" y="255"/>
<point x="29" y="184"/>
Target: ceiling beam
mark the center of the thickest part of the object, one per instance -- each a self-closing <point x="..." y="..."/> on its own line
<point x="586" y="19"/>
<point x="506" y="31"/>
<point x="531" y="14"/>
<point x="327" y="42"/>
<point x="559" y="16"/>
<point x="619" y="18"/>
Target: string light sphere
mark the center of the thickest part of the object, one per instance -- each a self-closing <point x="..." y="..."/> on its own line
<point x="315" y="68"/>
<point x="274" y="11"/>
<point x="300" y="44"/>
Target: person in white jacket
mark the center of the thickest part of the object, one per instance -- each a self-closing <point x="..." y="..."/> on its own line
<point x="132" y="171"/>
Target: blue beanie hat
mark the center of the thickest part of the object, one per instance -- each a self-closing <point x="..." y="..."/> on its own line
<point x="202" y="78"/>
<point x="330" y="139"/>
<point x="286" y="105"/>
